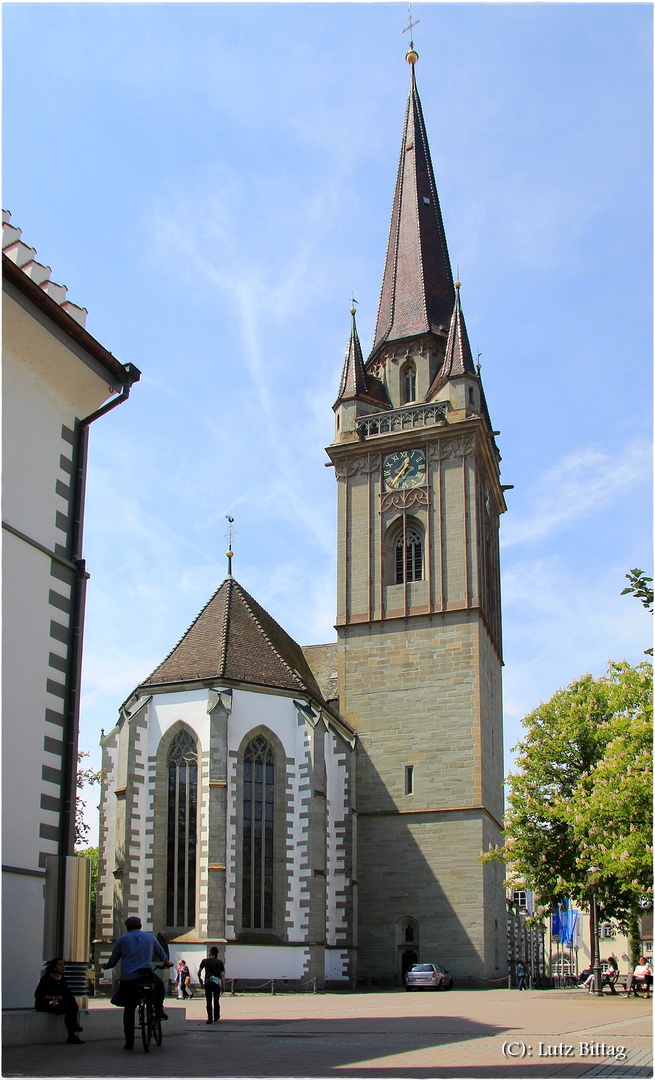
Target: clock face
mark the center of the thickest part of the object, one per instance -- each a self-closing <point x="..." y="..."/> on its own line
<point x="404" y="469"/>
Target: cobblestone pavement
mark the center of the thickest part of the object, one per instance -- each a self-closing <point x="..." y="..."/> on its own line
<point x="494" y="1033"/>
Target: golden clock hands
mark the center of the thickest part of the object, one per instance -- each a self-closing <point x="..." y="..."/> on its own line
<point x="404" y="469"/>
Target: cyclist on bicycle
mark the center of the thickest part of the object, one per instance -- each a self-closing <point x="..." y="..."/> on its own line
<point x="135" y="950"/>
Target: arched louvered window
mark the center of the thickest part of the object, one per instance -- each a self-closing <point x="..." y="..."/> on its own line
<point x="182" y="768"/>
<point x="409" y="384"/>
<point x="409" y="557"/>
<point x="258" y="805"/>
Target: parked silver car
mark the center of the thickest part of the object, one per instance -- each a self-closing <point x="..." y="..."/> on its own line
<point x="428" y="977"/>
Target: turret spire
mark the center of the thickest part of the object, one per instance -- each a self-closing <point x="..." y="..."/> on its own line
<point x="459" y="358"/>
<point x="355" y="383"/>
<point x="417" y="294"/>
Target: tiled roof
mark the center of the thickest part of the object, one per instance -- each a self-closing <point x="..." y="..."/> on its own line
<point x="25" y="259"/>
<point x="458" y="359"/>
<point x="322" y="660"/>
<point x="355" y="382"/>
<point x="235" y="639"/>
<point x="417" y="294"/>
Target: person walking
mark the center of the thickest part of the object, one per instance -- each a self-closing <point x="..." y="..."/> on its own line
<point x="214" y="983"/>
<point x="183" y="981"/>
<point x="521" y="974"/>
<point x="53" y="995"/>
<point x="135" y="950"/>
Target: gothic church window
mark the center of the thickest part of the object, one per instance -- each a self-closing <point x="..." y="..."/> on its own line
<point x="258" y="804"/>
<point x="409" y="383"/>
<point x="182" y="769"/>
<point x="409" y="557"/>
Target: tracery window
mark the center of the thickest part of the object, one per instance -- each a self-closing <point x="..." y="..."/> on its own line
<point x="182" y="769"/>
<point x="409" y="557"/>
<point x="258" y="804"/>
<point x="409" y="384"/>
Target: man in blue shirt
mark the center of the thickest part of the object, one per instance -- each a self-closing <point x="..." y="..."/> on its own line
<point x="135" y="950"/>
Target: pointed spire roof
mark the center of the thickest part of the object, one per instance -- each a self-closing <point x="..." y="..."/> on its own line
<point x="355" y="383"/>
<point x="235" y="639"/>
<point x="353" y="376"/>
<point x="458" y="359"/>
<point x="417" y="287"/>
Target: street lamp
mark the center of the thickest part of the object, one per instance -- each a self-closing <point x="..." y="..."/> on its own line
<point x="592" y="872"/>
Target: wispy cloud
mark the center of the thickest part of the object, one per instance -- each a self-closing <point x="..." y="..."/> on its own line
<point x="582" y="483"/>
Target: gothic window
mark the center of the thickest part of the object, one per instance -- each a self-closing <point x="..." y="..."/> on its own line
<point x="409" y="384"/>
<point x="409" y="557"/>
<point x="182" y="769"/>
<point x="258" y="803"/>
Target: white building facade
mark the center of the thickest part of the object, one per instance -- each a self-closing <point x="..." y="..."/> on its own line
<point x="226" y="813"/>
<point x="56" y="379"/>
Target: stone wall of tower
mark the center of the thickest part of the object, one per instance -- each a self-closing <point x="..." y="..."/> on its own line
<point x="420" y="681"/>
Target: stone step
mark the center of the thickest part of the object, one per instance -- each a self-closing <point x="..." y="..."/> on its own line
<point x="25" y="1027"/>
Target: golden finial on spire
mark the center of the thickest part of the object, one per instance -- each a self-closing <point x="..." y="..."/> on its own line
<point x="352" y="304"/>
<point x="458" y="283"/>
<point x="478" y="364"/>
<point x="229" y="533"/>
<point x="411" y="56"/>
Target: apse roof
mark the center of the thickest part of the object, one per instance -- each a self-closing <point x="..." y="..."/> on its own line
<point x="235" y="639"/>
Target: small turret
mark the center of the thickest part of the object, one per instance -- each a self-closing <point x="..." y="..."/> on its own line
<point x="359" y="393"/>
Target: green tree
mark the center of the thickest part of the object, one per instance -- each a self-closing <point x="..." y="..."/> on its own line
<point x="85" y="778"/>
<point x="641" y="586"/>
<point x="581" y="795"/>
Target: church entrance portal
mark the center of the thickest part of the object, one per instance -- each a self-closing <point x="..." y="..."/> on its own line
<point x="408" y="958"/>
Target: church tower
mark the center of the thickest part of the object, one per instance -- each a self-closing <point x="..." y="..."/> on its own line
<point x="418" y="605"/>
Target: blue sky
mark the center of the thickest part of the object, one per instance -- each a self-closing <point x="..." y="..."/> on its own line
<point x="213" y="180"/>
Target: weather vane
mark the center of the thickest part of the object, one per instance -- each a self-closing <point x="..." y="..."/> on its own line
<point x="230" y="532"/>
<point x="478" y="365"/>
<point x="411" y="26"/>
<point x="352" y="304"/>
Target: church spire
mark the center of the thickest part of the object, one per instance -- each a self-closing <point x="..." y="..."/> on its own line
<point x="417" y="294"/>
<point x="458" y="359"/>
<point x="353" y="376"/>
<point x="355" y="383"/>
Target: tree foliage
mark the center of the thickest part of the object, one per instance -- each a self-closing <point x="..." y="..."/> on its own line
<point x="581" y="797"/>
<point x="85" y="778"/>
<point x="641" y="586"/>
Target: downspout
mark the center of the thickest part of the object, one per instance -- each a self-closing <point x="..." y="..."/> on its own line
<point x="74" y="673"/>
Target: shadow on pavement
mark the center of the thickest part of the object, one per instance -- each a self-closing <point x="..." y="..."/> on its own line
<point x="421" y="1047"/>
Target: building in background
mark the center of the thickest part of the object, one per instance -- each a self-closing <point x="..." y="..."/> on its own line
<point x="415" y="673"/>
<point x="419" y="652"/>
<point x="57" y="379"/>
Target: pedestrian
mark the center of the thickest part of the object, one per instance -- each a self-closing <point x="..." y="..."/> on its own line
<point x="521" y="974"/>
<point x="183" y="981"/>
<point x="53" y="995"/>
<point x="214" y="983"/>
<point x="135" y="950"/>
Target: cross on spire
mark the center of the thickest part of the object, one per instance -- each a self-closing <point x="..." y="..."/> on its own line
<point x="411" y="26"/>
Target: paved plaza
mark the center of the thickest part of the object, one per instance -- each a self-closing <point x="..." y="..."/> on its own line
<point x="464" y="1033"/>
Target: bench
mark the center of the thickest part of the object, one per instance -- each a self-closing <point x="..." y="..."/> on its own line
<point x="631" y="985"/>
<point x="26" y="1027"/>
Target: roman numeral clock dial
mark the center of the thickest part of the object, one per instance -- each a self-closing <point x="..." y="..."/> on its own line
<point x="404" y="469"/>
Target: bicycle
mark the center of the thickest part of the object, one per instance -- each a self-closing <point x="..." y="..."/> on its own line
<point x="148" y="1020"/>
